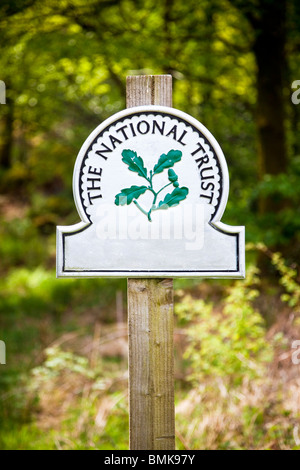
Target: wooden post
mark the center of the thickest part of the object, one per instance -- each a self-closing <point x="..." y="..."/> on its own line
<point x="151" y="324"/>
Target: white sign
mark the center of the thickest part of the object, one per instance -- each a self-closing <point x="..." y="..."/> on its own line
<point x="151" y="185"/>
<point x="2" y="92"/>
<point x="2" y="353"/>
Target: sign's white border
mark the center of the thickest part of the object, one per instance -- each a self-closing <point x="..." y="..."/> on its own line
<point x="237" y="231"/>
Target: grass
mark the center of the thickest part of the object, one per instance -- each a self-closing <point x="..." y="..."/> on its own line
<point x="35" y="310"/>
<point x="65" y="385"/>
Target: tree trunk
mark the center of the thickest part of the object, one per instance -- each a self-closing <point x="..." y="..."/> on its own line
<point x="269" y="50"/>
<point x="6" y="142"/>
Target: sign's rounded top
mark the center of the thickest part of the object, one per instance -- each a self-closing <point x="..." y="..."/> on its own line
<point x="147" y="141"/>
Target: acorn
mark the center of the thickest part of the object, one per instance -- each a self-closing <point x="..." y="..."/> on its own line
<point x="172" y="176"/>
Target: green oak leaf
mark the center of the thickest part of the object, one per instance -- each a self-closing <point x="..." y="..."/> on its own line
<point x="126" y="196"/>
<point x="172" y="176"/>
<point x="174" y="198"/>
<point x="167" y="160"/>
<point x="134" y="163"/>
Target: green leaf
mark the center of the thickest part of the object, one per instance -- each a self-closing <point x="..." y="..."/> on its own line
<point x="126" y="196"/>
<point x="174" y="198"/>
<point x="167" y="160"/>
<point x="134" y="163"/>
<point x="172" y="176"/>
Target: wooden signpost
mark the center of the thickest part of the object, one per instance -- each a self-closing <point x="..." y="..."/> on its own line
<point x="150" y="185"/>
<point x="151" y="323"/>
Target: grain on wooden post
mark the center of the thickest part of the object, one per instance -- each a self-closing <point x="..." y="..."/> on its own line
<point x="150" y="322"/>
<point x="142" y="90"/>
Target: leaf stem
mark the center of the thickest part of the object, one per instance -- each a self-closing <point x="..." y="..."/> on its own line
<point x="152" y="191"/>
<point x="153" y="207"/>
<point x="140" y="208"/>
<point x="163" y="188"/>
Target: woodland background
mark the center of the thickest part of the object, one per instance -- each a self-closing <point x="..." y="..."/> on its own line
<point x="65" y="64"/>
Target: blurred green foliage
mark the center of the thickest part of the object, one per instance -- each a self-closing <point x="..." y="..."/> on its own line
<point x="230" y="392"/>
<point x="225" y="344"/>
<point x="65" y="64"/>
<point x="238" y="399"/>
<point x="74" y="58"/>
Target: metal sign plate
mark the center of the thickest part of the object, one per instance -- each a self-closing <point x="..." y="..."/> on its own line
<point x="150" y="185"/>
